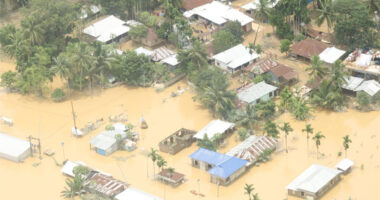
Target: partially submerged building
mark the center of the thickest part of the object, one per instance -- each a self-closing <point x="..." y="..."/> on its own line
<point x="252" y="147"/>
<point x="371" y="87"/>
<point x="260" y="67"/>
<point x="107" y="30"/>
<point x="364" y="64"/>
<point x="235" y="58"/>
<point x="89" y="11"/>
<point x="307" y="48"/>
<point x="135" y="194"/>
<point x="314" y="182"/>
<point x="218" y="14"/>
<point x="106" y="142"/>
<point x="14" y="149"/>
<point x="215" y="127"/>
<point x="252" y="7"/>
<point x="223" y="169"/>
<point x="283" y="75"/>
<point x="173" y="179"/>
<point x="177" y="141"/>
<point x="104" y="184"/>
<point x="255" y="93"/>
<point x="69" y="166"/>
<point x="345" y="165"/>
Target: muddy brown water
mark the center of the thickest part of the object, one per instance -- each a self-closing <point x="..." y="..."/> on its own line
<point x="42" y="179"/>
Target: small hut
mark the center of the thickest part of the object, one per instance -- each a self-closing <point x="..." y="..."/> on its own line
<point x="174" y="178"/>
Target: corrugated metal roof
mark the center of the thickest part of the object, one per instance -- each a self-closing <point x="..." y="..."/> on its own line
<point x="344" y="164"/>
<point x="370" y="87"/>
<point x="69" y="166"/>
<point x="352" y="82"/>
<point x="214" y="127"/>
<point x="331" y="54"/>
<point x="253" y="92"/>
<point x="161" y="53"/>
<point x="235" y="56"/>
<point x="308" y="48"/>
<point x="107" y="29"/>
<point x="313" y="179"/>
<point x="12" y="146"/>
<point x="228" y="167"/>
<point x="105" y="184"/>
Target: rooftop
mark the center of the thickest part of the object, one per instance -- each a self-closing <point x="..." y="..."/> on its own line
<point x="235" y="56"/>
<point x="171" y="60"/>
<point x="253" y="92"/>
<point x="370" y="87"/>
<point x="308" y="48"/>
<point x="261" y="66"/>
<point x="285" y="72"/>
<point x="68" y="167"/>
<point x="313" y="178"/>
<point x="173" y="178"/>
<point x="161" y="53"/>
<point x="105" y="184"/>
<point x="254" y="4"/>
<point x="209" y="156"/>
<point x="12" y="146"/>
<point x="107" y="29"/>
<point x="219" y="13"/>
<point x="228" y="167"/>
<point x="214" y="127"/>
<point x="191" y="4"/>
<point x="331" y="54"/>
<point x="352" y="83"/>
<point x="344" y="164"/>
<point x="142" y="50"/>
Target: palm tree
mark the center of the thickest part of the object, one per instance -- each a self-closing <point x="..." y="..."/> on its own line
<point x="270" y="128"/>
<point x="196" y="55"/>
<point x="32" y="30"/>
<point x="309" y="130"/>
<point x="300" y="108"/>
<point x="74" y="187"/>
<point x="325" y="13"/>
<point x="338" y="73"/>
<point x="248" y="117"/>
<point x="286" y="98"/>
<point x="346" y="143"/>
<point x="263" y="13"/>
<point x="248" y="190"/>
<point x="161" y="162"/>
<point x="317" y="138"/>
<point x="256" y="196"/>
<point x="316" y="70"/>
<point x="62" y="69"/>
<point x="217" y="97"/>
<point x="153" y="155"/>
<point x="171" y="171"/>
<point x="286" y="128"/>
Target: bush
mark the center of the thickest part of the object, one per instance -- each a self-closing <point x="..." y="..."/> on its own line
<point x="58" y="95"/>
<point x="268" y="34"/>
<point x="243" y="134"/>
<point x="299" y="37"/>
<point x="110" y="127"/>
<point x="363" y="99"/>
<point x="8" y="79"/>
<point x="285" y="46"/>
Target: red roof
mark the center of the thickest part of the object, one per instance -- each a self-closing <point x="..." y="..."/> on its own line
<point x="308" y="48"/>
<point x="105" y="184"/>
<point x="175" y="177"/>
<point x="261" y="66"/>
<point x="285" y="72"/>
<point x="190" y="4"/>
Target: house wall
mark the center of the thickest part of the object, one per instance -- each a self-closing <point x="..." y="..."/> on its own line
<point x="224" y="182"/>
<point x="248" y="27"/>
<point x="318" y="194"/>
<point x="19" y="158"/>
<point x="221" y="65"/>
<point x="201" y="165"/>
<point x="264" y="98"/>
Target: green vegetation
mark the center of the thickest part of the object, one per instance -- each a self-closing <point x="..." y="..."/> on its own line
<point x="207" y="143"/>
<point x="58" y="95"/>
<point x="265" y="109"/>
<point x="309" y="131"/>
<point x="346" y="143"/>
<point x="243" y="134"/>
<point x="285" y="46"/>
<point x="363" y="99"/>
<point x="248" y="190"/>
<point x="317" y="138"/>
<point x="270" y="128"/>
<point x="286" y="128"/>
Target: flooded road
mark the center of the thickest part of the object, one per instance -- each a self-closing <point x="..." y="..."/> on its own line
<point x="42" y="179"/>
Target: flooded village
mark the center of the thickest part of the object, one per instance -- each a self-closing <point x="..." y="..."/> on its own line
<point x="154" y="123"/>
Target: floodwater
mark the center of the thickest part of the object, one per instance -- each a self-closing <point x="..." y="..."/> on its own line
<point x="42" y="179"/>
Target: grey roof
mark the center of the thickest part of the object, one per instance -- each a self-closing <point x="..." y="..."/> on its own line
<point x="344" y="164"/>
<point x="214" y="127"/>
<point x="12" y="146"/>
<point x="253" y="92"/>
<point x="370" y="87"/>
<point x="313" y="179"/>
<point x="106" y="139"/>
<point x="236" y="56"/>
<point x="352" y="83"/>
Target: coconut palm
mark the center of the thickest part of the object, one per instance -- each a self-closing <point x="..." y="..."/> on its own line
<point x="256" y="196"/>
<point x="300" y="108"/>
<point x="338" y="73"/>
<point x="346" y="143"/>
<point x="286" y="99"/>
<point x="309" y="131"/>
<point x="153" y="155"/>
<point x="161" y="162"/>
<point x="317" y="138"/>
<point x="74" y="187"/>
<point x="61" y="68"/>
<point x="248" y="190"/>
<point x="195" y="56"/>
<point x="217" y="97"/>
<point x="171" y="171"/>
<point x="286" y="128"/>
<point x="262" y="13"/>
<point x="325" y="13"/>
<point x="248" y="118"/>
<point x="32" y="30"/>
<point x="316" y="70"/>
<point x="270" y="128"/>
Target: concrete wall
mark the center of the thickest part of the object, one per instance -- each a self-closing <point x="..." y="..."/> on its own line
<point x="317" y="195"/>
<point x="230" y="179"/>
<point x="18" y="158"/>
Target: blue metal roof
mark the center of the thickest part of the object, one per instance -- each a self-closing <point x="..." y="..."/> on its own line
<point x="228" y="167"/>
<point x="210" y="157"/>
<point x="224" y="165"/>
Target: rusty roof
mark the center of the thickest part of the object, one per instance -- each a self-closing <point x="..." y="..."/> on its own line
<point x="261" y="66"/>
<point x="190" y="4"/>
<point x="105" y="184"/>
<point x="285" y="72"/>
<point x="321" y="36"/>
<point x="161" y="53"/>
<point x="308" y="48"/>
<point x="175" y="177"/>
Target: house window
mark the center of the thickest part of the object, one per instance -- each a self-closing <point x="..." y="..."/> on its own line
<point x="195" y="163"/>
<point x="209" y="166"/>
<point x="270" y="94"/>
<point x="302" y="194"/>
<point x="258" y="101"/>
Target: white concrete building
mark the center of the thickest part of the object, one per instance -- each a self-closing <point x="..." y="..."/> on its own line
<point x="13" y="148"/>
<point x="314" y="182"/>
<point x="213" y="128"/>
<point x="235" y="58"/>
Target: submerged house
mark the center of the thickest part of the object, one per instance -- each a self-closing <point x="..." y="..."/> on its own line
<point x="345" y="165"/>
<point x="218" y="14"/>
<point x="107" y="30"/>
<point x="371" y="87"/>
<point x="235" y="58"/>
<point x="104" y="184"/>
<point x="106" y="143"/>
<point x="255" y="93"/>
<point x="223" y="169"/>
<point x="69" y="166"/>
<point x="215" y="127"/>
<point x="177" y="141"/>
<point x="283" y="75"/>
<point x="14" y="149"/>
<point x="314" y="182"/>
<point x="252" y="147"/>
<point x="174" y="178"/>
<point x="307" y="48"/>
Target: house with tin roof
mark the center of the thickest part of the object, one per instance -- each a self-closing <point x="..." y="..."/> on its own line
<point x="255" y="93"/>
<point x="215" y="127"/>
<point x="223" y="169"/>
<point x="235" y="58"/>
<point x="307" y="48"/>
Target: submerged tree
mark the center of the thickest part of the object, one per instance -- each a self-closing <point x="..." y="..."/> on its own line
<point x="346" y="143"/>
<point x="317" y="138"/>
<point x="153" y="155"/>
<point x="270" y="128"/>
<point x="286" y="128"/>
<point x="207" y="143"/>
<point x="309" y="131"/>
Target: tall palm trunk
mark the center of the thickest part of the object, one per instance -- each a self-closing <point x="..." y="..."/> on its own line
<point x="286" y="143"/>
